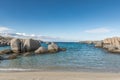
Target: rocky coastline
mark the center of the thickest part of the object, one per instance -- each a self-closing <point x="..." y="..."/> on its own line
<point x="110" y="44"/>
<point x="26" y="47"/>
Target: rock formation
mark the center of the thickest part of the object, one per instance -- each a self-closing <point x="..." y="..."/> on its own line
<point x="5" y="41"/>
<point x="24" y="45"/>
<point x="15" y="45"/>
<point x="110" y="44"/>
<point x="98" y="44"/>
<point x="53" y="48"/>
<point x="27" y="47"/>
<point x="41" y="50"/>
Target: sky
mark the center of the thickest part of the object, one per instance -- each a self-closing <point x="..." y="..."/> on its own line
<point x="62" y="19"/>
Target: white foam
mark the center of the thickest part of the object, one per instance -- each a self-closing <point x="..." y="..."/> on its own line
<point x="14" y="69"/>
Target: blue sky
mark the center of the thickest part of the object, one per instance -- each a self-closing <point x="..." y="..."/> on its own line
<point x="66" y="19"/>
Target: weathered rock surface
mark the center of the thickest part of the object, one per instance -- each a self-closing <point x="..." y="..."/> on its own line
<point x="98" y="44"/>
<point x="24" y="45"/>
<point x="16" y="45"/>
<point x="7" y="51"/>
<point x="52" y="48"/>
<point x="110" y="44"/>
<point x="41" y="50"/>
<point x="30" y="45"/>
<point x="27" y="47"/>
<point x="5" y="41"/>
<point x="62" y="49"/>
<point x="13" y="56"/>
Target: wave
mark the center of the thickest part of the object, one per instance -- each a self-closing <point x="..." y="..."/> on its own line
<point x="15" y="69"/>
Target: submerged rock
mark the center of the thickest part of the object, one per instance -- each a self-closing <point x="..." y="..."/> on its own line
<point x="13" y="56"/>
<point x="62" y="49"/>
<point x="2" y="58"/>
<point x="7" y="51"/>
<point x="27" y="54"/>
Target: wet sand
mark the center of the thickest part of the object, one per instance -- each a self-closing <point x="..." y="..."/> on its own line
<point x="58" y="76"/>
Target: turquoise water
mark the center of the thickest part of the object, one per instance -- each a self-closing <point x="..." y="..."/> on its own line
<point x="78" y="57"/>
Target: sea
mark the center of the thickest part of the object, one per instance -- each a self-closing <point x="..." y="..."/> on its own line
<point x="78" y="57"/>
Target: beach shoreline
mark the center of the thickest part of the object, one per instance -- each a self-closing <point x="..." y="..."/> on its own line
<point x="59" y="76"/>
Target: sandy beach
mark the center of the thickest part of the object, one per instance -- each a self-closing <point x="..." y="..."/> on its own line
<point x="58" y="76"/>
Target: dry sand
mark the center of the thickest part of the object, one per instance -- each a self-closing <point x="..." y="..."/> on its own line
<point x="58" y="76"/>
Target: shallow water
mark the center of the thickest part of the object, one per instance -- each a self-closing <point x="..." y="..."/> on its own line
<point x="78" y="57"/>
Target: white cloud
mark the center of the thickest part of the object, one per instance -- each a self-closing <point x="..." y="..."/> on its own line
<point x="23" y="34"/>
<point x="44" y="38"/>
<point x="5" y="29"/>
<point x="98" y="30"/>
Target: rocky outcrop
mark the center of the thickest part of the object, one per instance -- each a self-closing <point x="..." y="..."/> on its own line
<point x="98" y="44"/>
<point x="41" y="50"/>
<point x="53" y="48"/>
<point x="87" y="42"/>
<point x="24" y="45"/>
<point x="30" y="45"/>
<point x="115" y="41"/>
<point x="5" y="41"/>
<point x="27" y="47"/>
<point x="110" y="44"/>
<point x="16" y="45"/>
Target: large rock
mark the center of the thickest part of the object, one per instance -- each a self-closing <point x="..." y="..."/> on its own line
<point x="99" y="44"/>
<point x="15" y="45"/>
<point x="24" y="45"/>
<point x="4" y="41"/>
<point x="52" y="48"/>
<point x="41" y="50"/>
<point x="115" y="41"/>
<point x="114" y="49"/>
<point x="30" y="45"/>
<point x="112" y="44"/>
